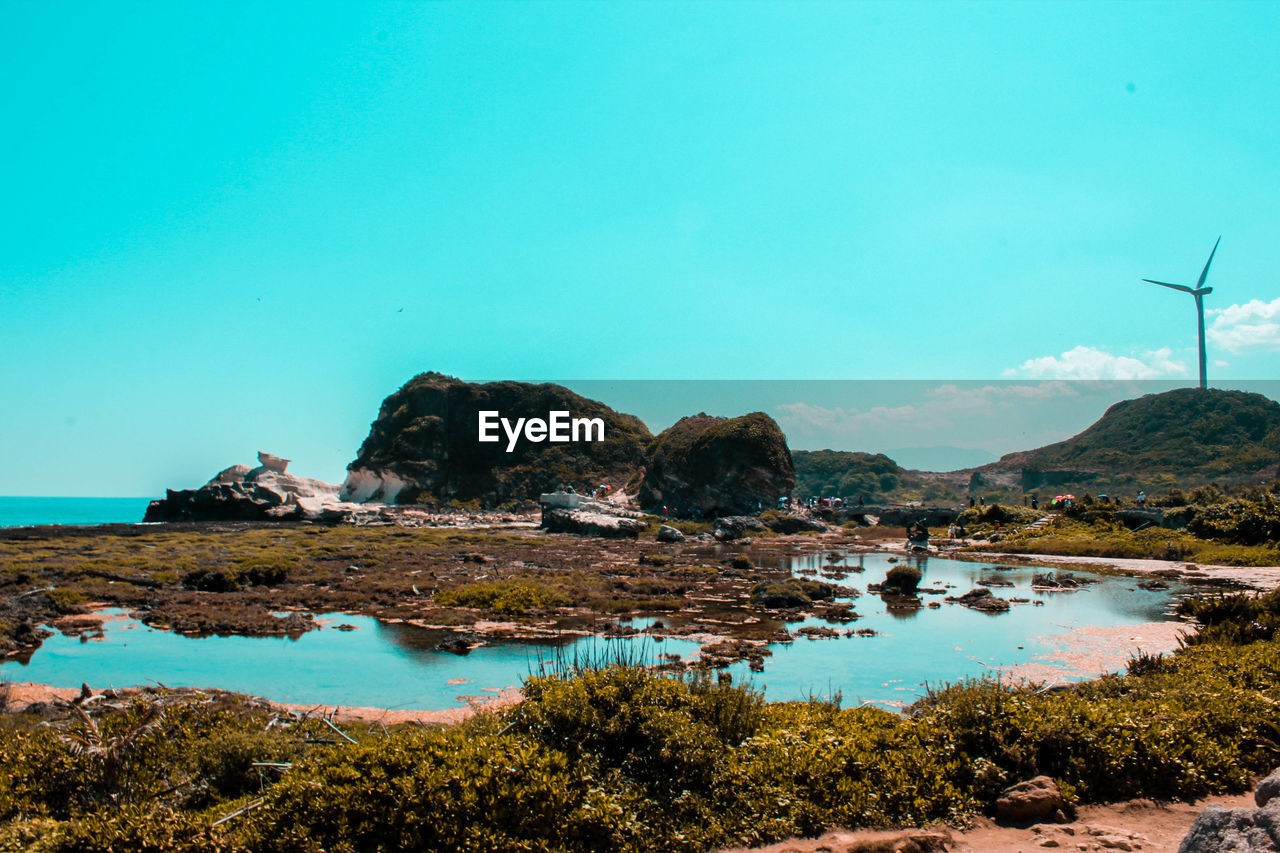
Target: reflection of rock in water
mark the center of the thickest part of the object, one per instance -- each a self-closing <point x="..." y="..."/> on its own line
<point x="457" y="645"/>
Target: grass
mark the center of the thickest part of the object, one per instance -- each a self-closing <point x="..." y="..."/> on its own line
<point x="1069" y="537"/>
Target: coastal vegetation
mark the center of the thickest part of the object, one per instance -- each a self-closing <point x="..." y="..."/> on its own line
<point x="872" y="478"/>
<point x="1231" y="532"/>
<point x="622" y="758"/>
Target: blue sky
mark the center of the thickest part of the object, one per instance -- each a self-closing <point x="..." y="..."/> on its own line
<point x="228" y="227"/>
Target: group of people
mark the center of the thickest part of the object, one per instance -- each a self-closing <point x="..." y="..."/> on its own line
<point x="816" y="502"/>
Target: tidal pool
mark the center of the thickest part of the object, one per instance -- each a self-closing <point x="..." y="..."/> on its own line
<point x="395" y="665"/>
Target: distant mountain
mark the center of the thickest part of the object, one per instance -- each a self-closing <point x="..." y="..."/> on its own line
<point x="845" y="474"/>
<point x="1185" y="437"/>
<point x="940" y="457"/>
<point x="871" y="477"/>
<point x="1181" y="438"/>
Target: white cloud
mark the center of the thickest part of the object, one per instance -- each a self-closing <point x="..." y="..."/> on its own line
<point x="1094" y="363"/>
<point x="1253" y="325"/>
<point x="945" y="413"/>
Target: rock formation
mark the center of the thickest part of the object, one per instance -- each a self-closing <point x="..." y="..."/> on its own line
<point x="424" y="445"/>
<point x="241" y="493"/>
<point x="711" y="466"/>
<point x="1222" y="830"/>
<point x="1033" y="801"/>
<point x="275" y="463"/>
<point x="587" y="522"/>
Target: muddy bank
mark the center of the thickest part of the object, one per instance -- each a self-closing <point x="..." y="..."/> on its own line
<point x="496" y="582"/>
<point x="25" y="695"/>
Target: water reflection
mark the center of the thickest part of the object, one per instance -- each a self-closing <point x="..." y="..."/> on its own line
<point x="884" y="654"/>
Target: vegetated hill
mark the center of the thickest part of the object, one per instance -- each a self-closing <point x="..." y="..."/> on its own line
<point x="704" y="465"/>
<point x="845" y="474"/>
<point x="869" y="477"/>
<point x="424" y="445"/>
<point x="1185" y="437"/>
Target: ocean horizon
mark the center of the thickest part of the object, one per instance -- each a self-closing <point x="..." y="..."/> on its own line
<point x="19" y="511"/>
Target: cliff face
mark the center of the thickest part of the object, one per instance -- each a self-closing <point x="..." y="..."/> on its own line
<point x="718" y="466"/>
<point x="424" y="445"/>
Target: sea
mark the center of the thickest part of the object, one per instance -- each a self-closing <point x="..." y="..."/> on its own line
<point x="24" y="512"/>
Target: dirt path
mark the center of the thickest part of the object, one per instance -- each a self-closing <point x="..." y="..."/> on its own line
<point x="1138" y="825"/>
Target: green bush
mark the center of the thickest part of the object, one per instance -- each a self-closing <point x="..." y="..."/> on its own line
<point x="464" y="788"/>
<point x="625" y="759"/>
<point x="512" y="597"/>
<point x="792" y="592"/>
<point x="903" y="579"/>
<point x="662" y="732"/>
<point x="211" y="580"/>
<point x="66" y="600"/>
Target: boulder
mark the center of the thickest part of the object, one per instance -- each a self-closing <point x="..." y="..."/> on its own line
<point x="241" y="493"/>
<point x="589" y="523"/>
<point x="980" y="598"/>
<point x="425" y="445"/>
<point x="709" y="466"/>
<point x="667" y="533"/>
<point x="1036" y="800"/>
<point x="734" y="527"/>
<point x="795" y="524"/>
<point x="1222" y="830"/>
<point x="1267" y="789"/>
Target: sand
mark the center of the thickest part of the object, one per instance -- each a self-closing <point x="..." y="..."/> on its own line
<point x="1138" y="825"/>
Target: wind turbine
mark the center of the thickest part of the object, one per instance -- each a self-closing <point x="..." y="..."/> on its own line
<point x="1199" y="292"/>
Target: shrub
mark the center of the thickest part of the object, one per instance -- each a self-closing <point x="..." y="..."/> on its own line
<point x="512" y="597"/>
<point x="265" y="570"/>
<point x="903" y="579"/>
<point x="211" y="580"/>
<point x="465" y="788"/>
<point x="663" y="732"/>
<point x="66" y="600"/>
<point x="793" y="592"/>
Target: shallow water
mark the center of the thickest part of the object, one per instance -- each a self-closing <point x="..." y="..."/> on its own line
<point x="394" y="665"/>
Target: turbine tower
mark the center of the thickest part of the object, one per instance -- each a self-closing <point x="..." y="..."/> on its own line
<point x="1199" y="292"/>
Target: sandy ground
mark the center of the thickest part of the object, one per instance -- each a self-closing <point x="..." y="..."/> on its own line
<point x="24" y="693"/>
<point x="1094" y="651"/>
<point x="1139" y="825"/>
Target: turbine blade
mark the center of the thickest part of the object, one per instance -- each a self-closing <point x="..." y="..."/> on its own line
<point x="1181" y="287"/>
<point x="1205" y="273"/>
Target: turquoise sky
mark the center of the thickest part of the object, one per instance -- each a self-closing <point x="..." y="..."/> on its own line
<point x="226" y="227"/>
